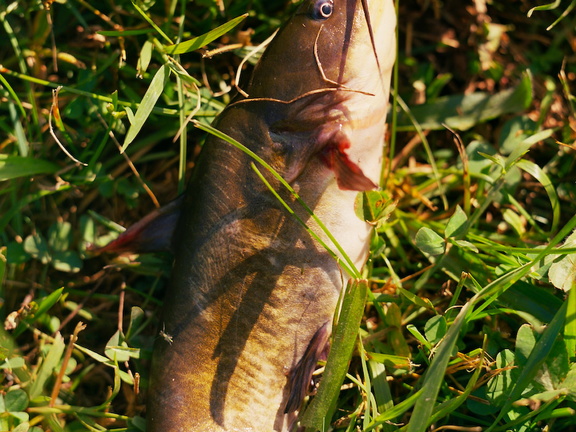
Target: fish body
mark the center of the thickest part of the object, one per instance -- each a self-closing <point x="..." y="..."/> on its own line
<point x="249" y="306"/>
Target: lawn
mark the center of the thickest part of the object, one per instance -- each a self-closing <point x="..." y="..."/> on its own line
<point x="469" y="322"/>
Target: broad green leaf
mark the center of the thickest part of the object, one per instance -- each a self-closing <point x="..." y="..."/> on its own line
<point x="562" y="273"/>
<point x="373" y="206"/>
<point x="537" y="357"/>
<point x="514" y="132"/>
<point x="13" y="363"/>
<point x="23" y="427"/>
<point x="16" y="400"/>
<point x="37" y="246"/>
<point x="145" y="57"/>
<point x="112" y="348"/>
<point x="12" y="167"/>
<point x="435" y="329"/>
<point x="60" y="236"/>
<point x="136" y="317"/>
<point x="67" y="261"/>
<point x="205" y="39"/>
<point x="461" y="112"/>
<point x="318" y="414"/>
<point x="148" y="101"/>
<point x="16" y="254"/>
<point x="499" y="386"/>
<point x="429" y="242"/>
<point x="456" y="226"/>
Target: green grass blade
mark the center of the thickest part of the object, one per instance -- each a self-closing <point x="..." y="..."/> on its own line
<point x="205" y="39"/>
<point x="396" y="411"/>
<point x="434" y="378"/>
<point x="149" y="21"/>
<point x="148" y="101"/>
<point x="318" y="414"/>
<point x="539" y="174"/>
<point x="299" y="220"/>
<point x="12" y="167"/>
<point x="48" y="365"/>
<point x="537" y="357"/>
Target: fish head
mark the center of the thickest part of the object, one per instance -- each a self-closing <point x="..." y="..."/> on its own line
<point x="328" y="69"/>
<point x="347" y="44"/>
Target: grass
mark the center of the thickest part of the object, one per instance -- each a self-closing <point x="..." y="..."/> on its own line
<point x="469" y="321"/>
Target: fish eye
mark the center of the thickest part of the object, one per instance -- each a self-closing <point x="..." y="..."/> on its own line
<point x="323" y="9"/>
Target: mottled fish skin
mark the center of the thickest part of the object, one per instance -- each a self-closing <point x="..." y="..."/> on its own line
<point x="250" y="288"/>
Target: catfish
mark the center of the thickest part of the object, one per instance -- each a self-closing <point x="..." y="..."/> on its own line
<point x="249" y="306"/>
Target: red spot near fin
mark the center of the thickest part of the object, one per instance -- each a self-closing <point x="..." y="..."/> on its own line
<point x="348" y="175"/>
<point x="153" y="233"/>
<point x="300" y="376"/>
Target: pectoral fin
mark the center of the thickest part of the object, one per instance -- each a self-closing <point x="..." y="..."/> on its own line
<point x="300" y="377"/>
<point x="153" y="233"/>
<point x="348" y="174"/>
<point x="301" y="140"/>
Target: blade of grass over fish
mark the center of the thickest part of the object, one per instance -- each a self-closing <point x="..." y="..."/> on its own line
<point x="148" y="101"/>
<point x="300" y="221"/>
<point x="205" y="39"/>
<point x="533" y="365"/>
<point x="539" y="174"/>
<point x="149" y="21"/>
<point x="318" y="414"/>
<point x="206" y="128"/>
<point x="421" y="416"/>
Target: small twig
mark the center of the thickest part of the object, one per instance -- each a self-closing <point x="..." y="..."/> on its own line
<point x="129" y="162"/>
<point x="56" y="390"/>
<point x="55" y="110"/>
